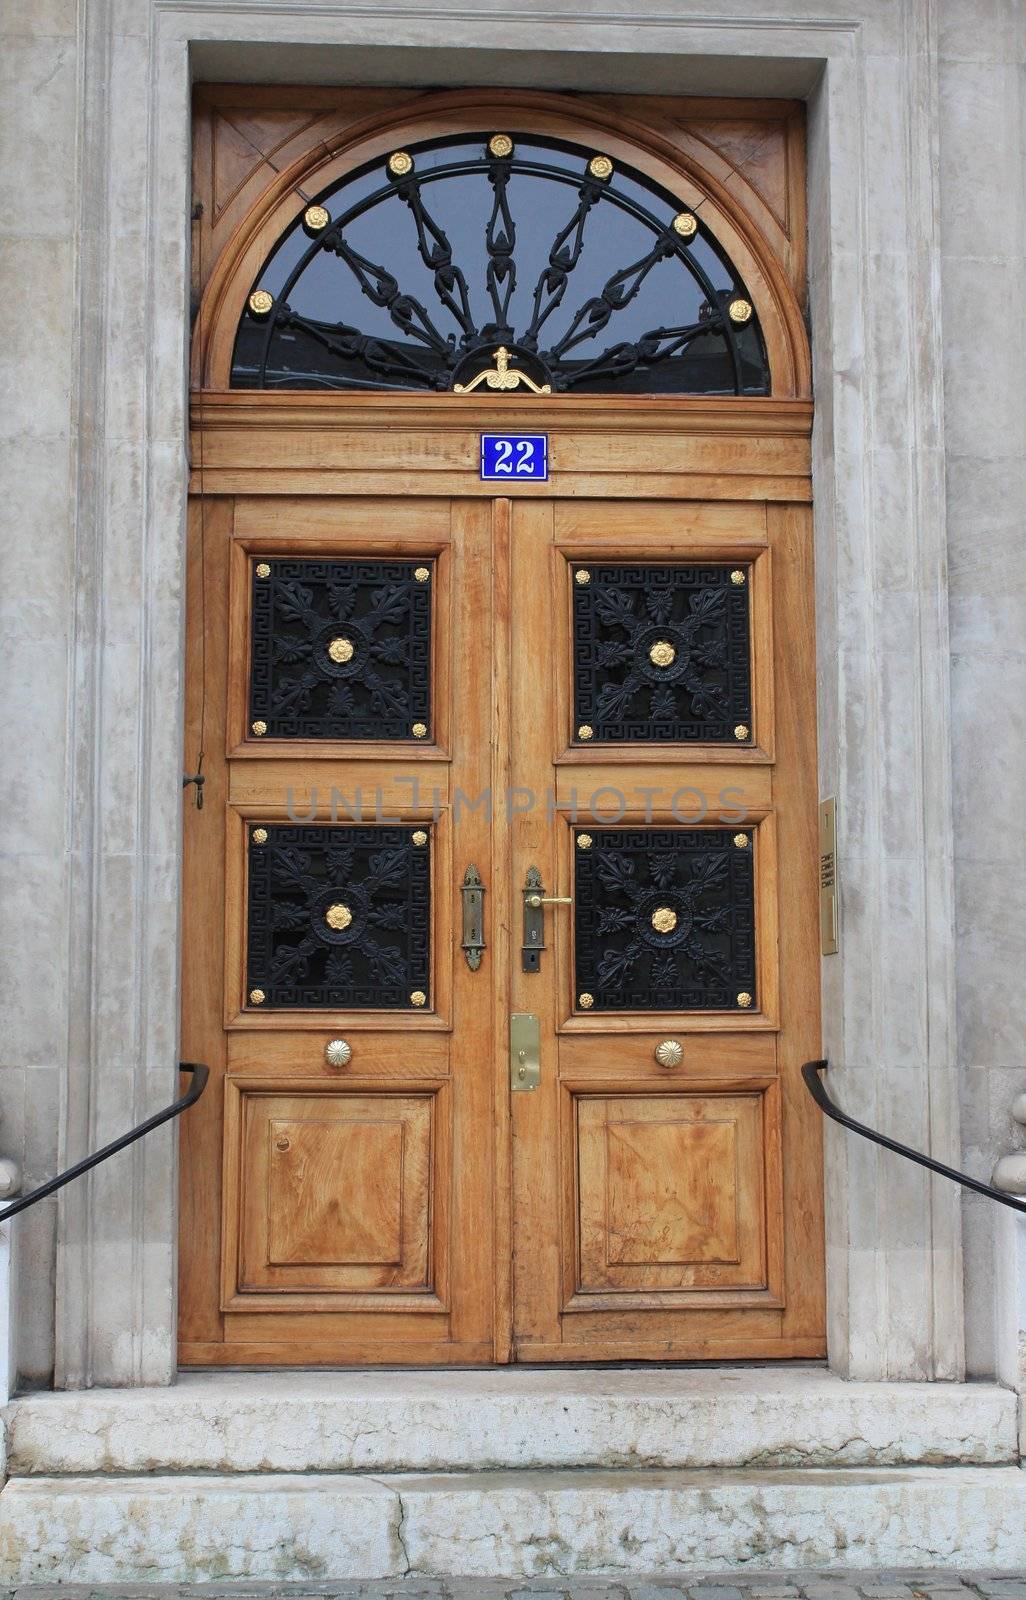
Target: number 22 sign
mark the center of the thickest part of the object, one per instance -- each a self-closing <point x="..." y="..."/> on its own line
<point x="514" y="455"/>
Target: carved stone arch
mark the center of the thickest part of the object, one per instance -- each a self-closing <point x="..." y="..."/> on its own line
<point x="344" y="145"/>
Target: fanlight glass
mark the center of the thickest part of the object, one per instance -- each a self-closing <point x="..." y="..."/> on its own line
<point x="581" y="271"/>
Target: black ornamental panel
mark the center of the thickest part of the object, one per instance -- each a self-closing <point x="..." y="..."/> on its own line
<point x="664" y="919"/>
<point x="339" y="917"/>
<point x="341" y="650"/>
<point x="661" y="654"/>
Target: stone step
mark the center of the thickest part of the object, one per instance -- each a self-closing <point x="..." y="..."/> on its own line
<point x="514" y="1418"/>
<point x="330" y="1527"/>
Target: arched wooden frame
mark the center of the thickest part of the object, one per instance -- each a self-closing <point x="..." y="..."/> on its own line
<point x="471" y="111"/>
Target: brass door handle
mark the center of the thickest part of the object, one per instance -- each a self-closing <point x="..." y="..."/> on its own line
<point x="534" y="922"/>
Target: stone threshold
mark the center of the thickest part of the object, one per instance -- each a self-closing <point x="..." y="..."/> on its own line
<point x="511" y="1418"/>
<point x="299" y="1527"/>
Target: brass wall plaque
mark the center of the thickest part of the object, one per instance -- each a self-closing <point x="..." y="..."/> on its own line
<point x="524" y="1050"/>
<point x="828" y="877"/>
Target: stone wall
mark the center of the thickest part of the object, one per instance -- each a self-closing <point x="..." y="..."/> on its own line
<point x="916" y="254"/>
<point x="982" y="74"/>
<point x="40" y="430"/>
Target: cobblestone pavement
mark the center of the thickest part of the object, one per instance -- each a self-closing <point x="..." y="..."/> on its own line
<point x="891" y="1585"/>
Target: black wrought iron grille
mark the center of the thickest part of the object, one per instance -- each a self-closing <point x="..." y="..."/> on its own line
<point x="661" y="653"/>
<point x="664" y="919"/>
<point x="414" y="272"/>
<point x="341" y="649"/>
<point x="339" y="916"/>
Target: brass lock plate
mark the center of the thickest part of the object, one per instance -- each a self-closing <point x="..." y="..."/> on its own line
<point x="828" y="942"/>
<point x="524" y="1050"/>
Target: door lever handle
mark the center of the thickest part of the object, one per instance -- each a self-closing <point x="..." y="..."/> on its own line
<point x="534" y="924"/>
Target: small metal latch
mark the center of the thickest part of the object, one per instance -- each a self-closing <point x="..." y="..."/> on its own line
<point x="473" y="942"/>
<point x="524" y="1050"/>
<point x="198" y="779"/>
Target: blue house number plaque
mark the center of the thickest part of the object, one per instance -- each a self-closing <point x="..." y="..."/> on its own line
<point x="506" y="456"/>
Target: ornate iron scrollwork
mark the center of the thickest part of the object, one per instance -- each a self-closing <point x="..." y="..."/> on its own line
<point x="664" y="920"/>
<point x="661" y="653"/>
<point x="339" y="917"/>
<point x="654" y="314"/>
<point x="341" y="649"/>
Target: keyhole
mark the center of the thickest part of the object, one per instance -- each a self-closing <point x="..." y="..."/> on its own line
<point x="282" y="1143"/>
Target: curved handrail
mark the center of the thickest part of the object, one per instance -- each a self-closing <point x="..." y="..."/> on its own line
<point x="199" y="1074"/>
<point x="813" y="1082"/>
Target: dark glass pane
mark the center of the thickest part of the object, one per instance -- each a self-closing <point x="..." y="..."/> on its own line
<point x="416" y="282"/>
<point x="339" y="917"/>
<point x="664" y="920"/>
<point x="661" y="654"/>
<point x="341" y="649"/>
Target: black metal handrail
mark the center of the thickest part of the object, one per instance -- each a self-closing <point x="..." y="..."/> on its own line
<point x="814" y="1083"/>
<point x="199" y="1074"/>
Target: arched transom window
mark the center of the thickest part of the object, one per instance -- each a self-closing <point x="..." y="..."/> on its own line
<point x="501" y="261"/>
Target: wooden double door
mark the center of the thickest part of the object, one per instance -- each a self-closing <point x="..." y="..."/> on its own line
<point x="447" y="1124"/>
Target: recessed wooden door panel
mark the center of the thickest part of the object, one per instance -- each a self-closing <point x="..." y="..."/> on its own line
<point x="334" y="1191"/>
<point x="670" y="1192"/>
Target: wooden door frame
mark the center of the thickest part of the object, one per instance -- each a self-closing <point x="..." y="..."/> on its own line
<point x="603" y="447"/>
